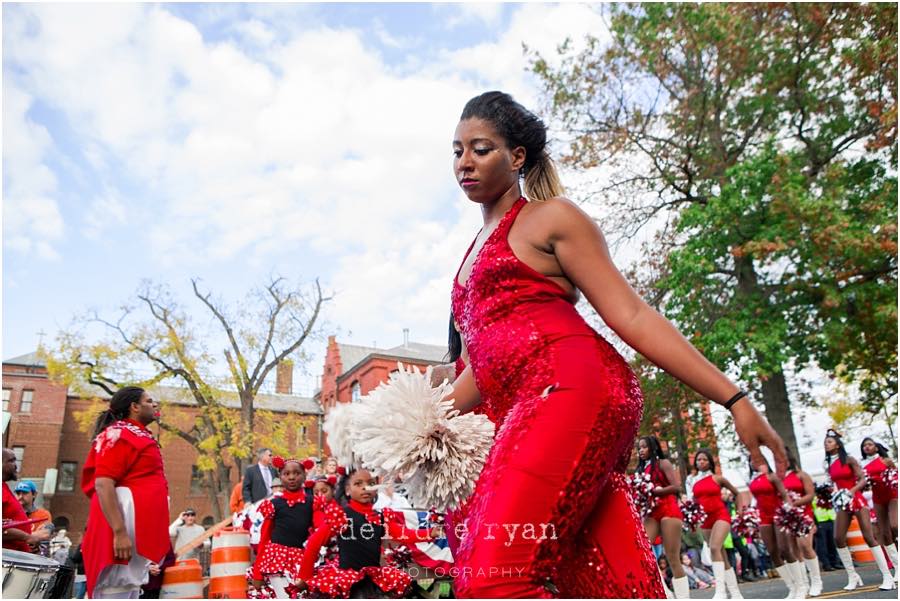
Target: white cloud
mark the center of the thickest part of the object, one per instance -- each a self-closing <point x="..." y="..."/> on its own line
<point x="500" y="63"/>
<point x="487" y="13"/>
<point x="32" y="222"/>
<point x="104" y="212"/>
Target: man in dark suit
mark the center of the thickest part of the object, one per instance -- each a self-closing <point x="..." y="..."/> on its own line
<point x="258" y="478"/>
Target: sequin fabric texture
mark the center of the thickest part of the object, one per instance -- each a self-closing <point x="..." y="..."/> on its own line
<point x="551" y="514"/>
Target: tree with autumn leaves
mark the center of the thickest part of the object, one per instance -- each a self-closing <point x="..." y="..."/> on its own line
<point x="761" y="141"/>
<point x="153" y="342"/>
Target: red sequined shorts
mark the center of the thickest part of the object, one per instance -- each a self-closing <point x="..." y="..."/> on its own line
<point x="666" y="507"/>
<point x="717" y="515"/>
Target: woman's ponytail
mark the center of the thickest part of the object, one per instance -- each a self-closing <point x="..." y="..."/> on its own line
<point x="542" y="180"/>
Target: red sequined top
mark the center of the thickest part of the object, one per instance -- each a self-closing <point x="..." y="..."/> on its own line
<point x="708" y="494"/>
<point x="767" y="498"/>
<point x="507" y="331"/>
<point x="794" y="484"/>
<point x="842" y="474"/>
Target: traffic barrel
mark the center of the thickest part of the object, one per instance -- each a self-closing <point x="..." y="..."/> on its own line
<point x="858" y="547"/>
<point x="184" y="580"/>
<point x="228" y="565"/>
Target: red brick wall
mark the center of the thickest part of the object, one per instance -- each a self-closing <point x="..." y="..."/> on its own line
<point x="38" y="430"/>
<point x="330" y="371"/>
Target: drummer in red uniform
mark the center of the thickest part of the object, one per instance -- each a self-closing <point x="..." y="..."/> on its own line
<point x="19" y="538"/>
<point x="127" y="527"/>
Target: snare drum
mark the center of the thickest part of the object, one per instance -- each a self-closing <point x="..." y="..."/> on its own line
<point x="27" y="576"/>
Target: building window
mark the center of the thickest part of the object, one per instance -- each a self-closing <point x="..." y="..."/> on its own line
<point x="197" y="480"/>
<point x="355" y="391"/>
<point x="67" y="474"/>
<point x="7" y="393"/>
<point x="20" y="457"/>
<point x="25" y="405"/>
<point x="303" y="431"/>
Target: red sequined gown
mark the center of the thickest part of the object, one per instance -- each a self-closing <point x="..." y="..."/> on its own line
<point x="550" y="514"/>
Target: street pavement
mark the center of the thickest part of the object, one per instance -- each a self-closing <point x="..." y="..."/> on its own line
<point x="834" y="583"/>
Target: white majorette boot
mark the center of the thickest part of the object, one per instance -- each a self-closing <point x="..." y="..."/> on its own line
<point x="801" y="584"/>
<point x="785" y="572"/>
<point x="719" y="575"/>
<point x="887" y="579"/>
<point x="892" y="554"/>
<point x="682" y="588"/>
<point x="731" y="583"/>
<point x="815" y="576"/>
<point x="853" y="579"/>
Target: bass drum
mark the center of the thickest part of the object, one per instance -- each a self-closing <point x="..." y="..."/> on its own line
<point x="28" y="576"/>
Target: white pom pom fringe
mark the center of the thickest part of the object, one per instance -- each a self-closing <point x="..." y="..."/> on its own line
<point x="403" y="429"/>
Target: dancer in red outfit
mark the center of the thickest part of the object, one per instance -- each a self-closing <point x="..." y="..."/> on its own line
<point x="769" y="493"/>
<point x="847" y="474"/>
<point x="875" y="460"/>
<point x="666" y="518"/>
<point x="706" y="488"/>
<point x="287" y="521"/>
<point x="359" y="530"/>
<point x="123" y="477"/>
<point x="565" y="403"/>
<point x="801" y="490"/>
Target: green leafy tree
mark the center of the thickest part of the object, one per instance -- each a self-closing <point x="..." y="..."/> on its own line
<point x="762" y="138"/>
<point x="154" y="342"/>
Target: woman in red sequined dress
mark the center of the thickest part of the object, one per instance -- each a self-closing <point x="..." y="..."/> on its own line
<point x="550" y="514"/>
<point x="801" y="490"/>
<point x="876" y="461"/>
<point x="705" y="487"/>
<point x="847" y="474"/>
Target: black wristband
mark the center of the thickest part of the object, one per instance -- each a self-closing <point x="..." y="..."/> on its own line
<point x="730" y="402"/>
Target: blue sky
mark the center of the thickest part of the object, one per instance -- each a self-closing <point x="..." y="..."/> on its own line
<point x="230" y="142"/>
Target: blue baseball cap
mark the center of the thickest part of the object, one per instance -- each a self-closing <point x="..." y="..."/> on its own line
<point x="26" y="486"/>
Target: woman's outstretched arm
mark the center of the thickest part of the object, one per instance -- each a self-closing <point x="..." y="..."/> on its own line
<point x="583" y="255"/>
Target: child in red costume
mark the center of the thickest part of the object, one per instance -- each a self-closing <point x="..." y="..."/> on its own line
<point x="360" y="530"/>
<point x="123" y="477"/>
<point x="288" y="520"/>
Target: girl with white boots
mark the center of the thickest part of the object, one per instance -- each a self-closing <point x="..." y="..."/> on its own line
<point x="769" y="493"/>
<point x="800" y="483"/>
<point x="705" y="487"/>
<point x="665" y="520"/>
<point x="847" y="474"/>
<point x="876" y="461"/>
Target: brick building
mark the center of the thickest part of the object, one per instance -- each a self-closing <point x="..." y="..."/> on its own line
<point x="351" y="371"/>
<point x="43" y="431"/>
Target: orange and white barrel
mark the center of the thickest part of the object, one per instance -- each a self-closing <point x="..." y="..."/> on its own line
<point x="184" y="580"/>
<point x="228" y="564"/>
<point x="858" y="547"/>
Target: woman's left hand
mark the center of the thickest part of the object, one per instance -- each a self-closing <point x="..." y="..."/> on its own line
<point x="754" y="431"/>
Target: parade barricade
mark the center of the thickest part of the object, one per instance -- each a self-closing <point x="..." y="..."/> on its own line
<point x="858" y="547"/>
<point x="184" y="580"/>
<point x="229" y="561"/>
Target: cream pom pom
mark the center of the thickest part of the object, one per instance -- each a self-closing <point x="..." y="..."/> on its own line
<point x="403" y="429"/>
<point x="337" y="426"/>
